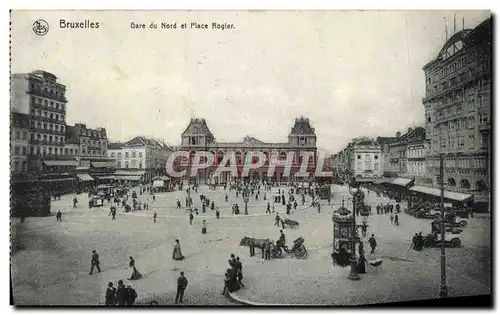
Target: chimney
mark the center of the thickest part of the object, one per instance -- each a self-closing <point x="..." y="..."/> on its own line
<point x="398" y="134"/>
<point x="409" y="129"/>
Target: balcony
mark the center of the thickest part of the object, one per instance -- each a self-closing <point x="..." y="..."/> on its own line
<point x="46" y="107"/>
<point x="48" y="119"/>
<point x="46" y="142"/>
<point x="484" y="126"/>
<point x="43" y="93"/>
<point x="48" y="131"/>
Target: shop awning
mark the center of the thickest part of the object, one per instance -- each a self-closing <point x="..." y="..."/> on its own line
<point x="402" y="181"/>
<point x="52" y="180"/>
<point x="131" y="178"/>
<point x="129" y="173"/>
<point x="163" y="178"/>
<point x="60" y="163"/>
<point x="84" y="177"/>
<point x="103" y="164"/>
<point x="437" y="193"/>
<point x="107" y="177"/>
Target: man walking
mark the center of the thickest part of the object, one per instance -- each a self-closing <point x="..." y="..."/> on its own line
<point x="182" y="283"/>
<point x="191" y="217"/>
<point x="373" y="243"/>
<point x="94" y="262"/>
<point x="58" y="216"/>
<point x="155" y="215"/>
<point x="277" y="220"/>
<point x="396" y="219"/>
<point x="268" y="208"/>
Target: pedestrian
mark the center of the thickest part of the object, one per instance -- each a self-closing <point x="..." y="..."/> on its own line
<point x="226" y="198"/>
<point x="135" y="274"/>
<point x="319" y="207"/>
<point x="392" y="218"/>
<point x="361" y="248"/>
<point x="282" y="224"/>
<point x="177" y="253"/>
<point x="373" y="243"/>
<point x="204" y="227"/>
<point x="131" y="295"/>
<point x="75" y="202"/>
<point x="110" y="295"/>
<point x="277" y="220"/>
<point x="268" y="208"/>
<point x="58" y="216"/>
<point x="267" y="248"/>
<point x="94" y="262"/>
<point x="121" y="294"/>
<point x="191" y="217"/>
<point x="154" y="217"/>
<point x="182" y="283"/>
<point x="252" y="247"/>
<point x="217" y="213"/>
<point x="239" y="270"/>
<point x="396" y="219"/>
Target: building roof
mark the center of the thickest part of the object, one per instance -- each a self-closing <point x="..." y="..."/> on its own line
<point x="413" y="135"/>
<point x="302" y="126"/>
<point x="197" y="127"/>
<point x="384" y="140"/>
<point x="144" y="141"/>
<point x="115" y="145"/>
<point x="469" y="37"/>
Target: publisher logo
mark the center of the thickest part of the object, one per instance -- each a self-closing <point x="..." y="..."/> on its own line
<point x="40" y="27"/>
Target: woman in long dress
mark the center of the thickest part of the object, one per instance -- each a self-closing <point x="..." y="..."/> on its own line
<point x="135" y="274"/>
<point x="177" y="254"/>
<point x="361" y="267"/>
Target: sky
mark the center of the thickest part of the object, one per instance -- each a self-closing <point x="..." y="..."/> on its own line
<point x="352" y="73"/>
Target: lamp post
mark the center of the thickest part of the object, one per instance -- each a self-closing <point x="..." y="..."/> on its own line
<point x="353" y="190"/>
<point x="246" y="199"/>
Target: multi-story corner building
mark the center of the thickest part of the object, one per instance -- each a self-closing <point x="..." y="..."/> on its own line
<point x="89" y="146"/>
<point x="19" y="143"/>
<point x="140" y="158"/>
<point x="407" y="154"/>
<point x="363" y="158"/>
<point x="302" y="138"/>
<point x="458" y="112"/>
<point x="42" y="98"/>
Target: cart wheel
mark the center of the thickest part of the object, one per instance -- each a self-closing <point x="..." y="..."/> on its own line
<point x="427" y="243"/>
<point x="463" y="224"/>
<point x="456" y="242"/>
<point x="418" y="215"/>
<point x="437" y="216"/>
<point x="301" y="252"/>
<point x="278" y="252"/>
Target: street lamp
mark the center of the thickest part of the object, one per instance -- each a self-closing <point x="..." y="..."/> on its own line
<point x="353" y="190"/>
<point x="246" y="199"/>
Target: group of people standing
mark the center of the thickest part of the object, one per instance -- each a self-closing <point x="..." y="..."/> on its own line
<point x="233" y="275"/>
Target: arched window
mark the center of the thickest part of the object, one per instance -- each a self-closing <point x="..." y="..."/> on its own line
<point x="481" y="185"/>
<point x="465" y="184"/>
<point x="451" y="182"/>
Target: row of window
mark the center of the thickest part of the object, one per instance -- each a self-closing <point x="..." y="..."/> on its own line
<point x="47" y="126"/>
<point x="119" y="154"/>
<point x="463" y="162"/>
<point x="368" y="156"/>
<point x="19" y="166"/>
<point x="43" y="113"/>
<point x="18" y="135"/>
<point x="49" y="104"/>
<point x="93" y="143"/>
<point x="127" y="165"/>
<point x="455" y="125"/>
<point x="459" y="142"/>
<point x="53" y="91"/>
<point x="47" y="137"/>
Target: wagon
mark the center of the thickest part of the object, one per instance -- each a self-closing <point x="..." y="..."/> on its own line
<point x="434" y="240"/>
<point x="291" y="223"/>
